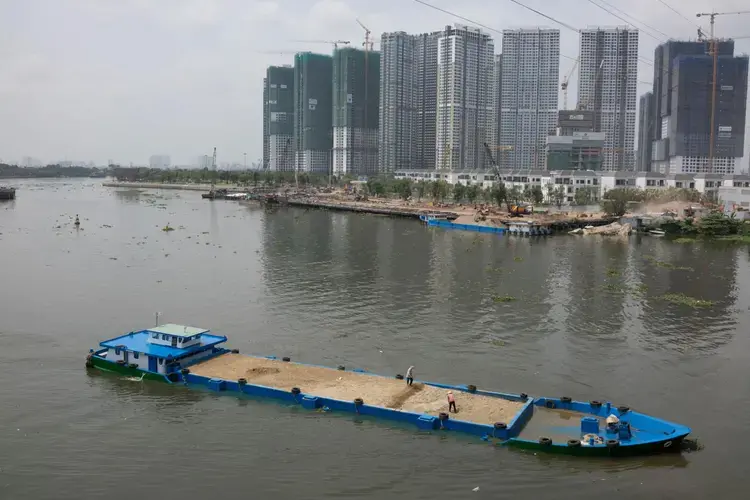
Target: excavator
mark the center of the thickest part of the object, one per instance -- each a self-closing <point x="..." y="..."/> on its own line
<point x="514" y="210"/>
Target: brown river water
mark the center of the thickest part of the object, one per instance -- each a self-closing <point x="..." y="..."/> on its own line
<point x="588" y="321"/>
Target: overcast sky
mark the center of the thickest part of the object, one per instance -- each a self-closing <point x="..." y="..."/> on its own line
<point x="125" y="79"/>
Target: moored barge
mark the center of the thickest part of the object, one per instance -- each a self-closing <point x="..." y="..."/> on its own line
<point x="178" y="354"/>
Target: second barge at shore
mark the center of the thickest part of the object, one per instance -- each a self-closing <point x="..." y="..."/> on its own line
<point x="178" y="354"/>
<point x="414" y="213"/>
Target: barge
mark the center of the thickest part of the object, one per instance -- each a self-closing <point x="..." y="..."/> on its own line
<point x="195" y="357"/>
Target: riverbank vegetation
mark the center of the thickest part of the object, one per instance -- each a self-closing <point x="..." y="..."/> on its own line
<point x="49" y="171"/>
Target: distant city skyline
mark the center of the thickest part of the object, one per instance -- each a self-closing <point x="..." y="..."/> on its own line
<point x="94" y="96"/>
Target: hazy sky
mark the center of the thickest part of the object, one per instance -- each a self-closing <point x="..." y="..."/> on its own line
<point x="125" y="79"/>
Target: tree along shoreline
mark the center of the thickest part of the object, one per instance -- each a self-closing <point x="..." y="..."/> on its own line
<point x="49" y="172"/>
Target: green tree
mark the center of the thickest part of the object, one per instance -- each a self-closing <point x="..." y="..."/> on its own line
<point x="472" y="193"/>
<point x="615" y="202"/>
<point x="402" y="188"/>
<point x="537" y="196"/>
<point x="558" y="196"/>
<point x="421" y="190"/>
<point x="718" y="224"/>
<point x="499" y="193"/>
<point x="584" y="196"/>
<point x="459" y="191"/>
<point x="527" y="192"/>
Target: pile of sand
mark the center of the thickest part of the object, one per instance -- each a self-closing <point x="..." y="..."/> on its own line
<point x="346" y="386"/>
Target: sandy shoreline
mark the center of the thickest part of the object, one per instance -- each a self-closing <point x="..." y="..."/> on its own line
<point x="346" y="386"/>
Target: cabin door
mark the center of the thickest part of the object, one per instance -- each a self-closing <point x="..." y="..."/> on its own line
<point x="125" y="356"/>
<point x="174" y="341"/>
<point x="152" y="365"/>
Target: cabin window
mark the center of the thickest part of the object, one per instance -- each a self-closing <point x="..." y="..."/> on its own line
<point x="117" y="351"/>
<point x="161" y="361"/>
<point x="165" y="337"/>
<point x="155" y="335"/>
<point x="135" y="355"/>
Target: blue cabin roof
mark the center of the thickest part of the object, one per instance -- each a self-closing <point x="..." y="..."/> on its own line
<point x="139" y="342"/>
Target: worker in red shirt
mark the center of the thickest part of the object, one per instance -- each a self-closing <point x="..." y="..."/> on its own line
<point x="451" y="402"/>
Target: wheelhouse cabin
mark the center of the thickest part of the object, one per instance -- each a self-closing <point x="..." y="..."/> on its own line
<point x="163" y="349"/>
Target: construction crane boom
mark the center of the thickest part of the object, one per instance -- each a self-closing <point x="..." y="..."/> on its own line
<point x="564" y="84"/>
<point x="335" y="43"/>
<point x="714" y="52"/>
<point x="367" y="43"/>
<point x="583" y="105"/>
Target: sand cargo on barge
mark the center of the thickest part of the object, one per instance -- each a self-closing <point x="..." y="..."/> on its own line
<point x="195" y="357"/>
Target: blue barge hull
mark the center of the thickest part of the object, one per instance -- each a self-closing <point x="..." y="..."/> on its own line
<point x="557" y="425"/>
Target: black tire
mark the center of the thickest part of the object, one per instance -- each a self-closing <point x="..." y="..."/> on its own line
<point x="242" y="381"/>
<point x="471" y="388"/>
<point x="172" y="377"/>
<point x="550" y="404"/>
<point x="341" y="367"/>
<point x="500" y="426"/>
<point x="359" y="402"/>
<point x="185" y="371"/>
<point x="235" y="351"/>
<point x="133" y="366"/>
<point x="399" y="376"/>
<point x="574" y="443"/>
<point x="443" y="416"/>
<point x="565" y="399"/>
<point x="545" y="441"/>
<point x="524" y="396"/>
<point x="121" y="362"/>
<point x="286" y="358"/>
<point x="296" y="391"/>
<point x="612" y="443"/>
<point x="595" y="404"/>
<point x="623" y="409"/>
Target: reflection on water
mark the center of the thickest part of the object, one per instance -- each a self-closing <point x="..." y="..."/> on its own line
<point x="585" y="319"/>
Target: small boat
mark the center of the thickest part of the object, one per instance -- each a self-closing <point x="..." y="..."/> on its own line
<point x="215" y="194"/>
<point x="7" y="193"/>
<point x="656" y="232"/>
<point x="195" y="357"/>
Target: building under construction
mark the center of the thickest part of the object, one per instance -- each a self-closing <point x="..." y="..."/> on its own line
<point x="278" y="119"/>
<point x="356" y="99"/>
<point x="313" y="112"/>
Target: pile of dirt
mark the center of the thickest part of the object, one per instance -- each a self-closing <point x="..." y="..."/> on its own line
<point x="346" y="386"/>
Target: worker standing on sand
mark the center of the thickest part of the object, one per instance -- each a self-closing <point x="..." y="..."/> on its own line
<point x="410" y="375"/>
<point x="451" y="402"/>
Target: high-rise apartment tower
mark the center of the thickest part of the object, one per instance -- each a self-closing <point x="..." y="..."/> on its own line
<point x="530" y="82"/>
<point x="313" y="106"/>
<point x="607" y="85"/>
<point x="356" y="88"/>
<point x="465" y="101"/>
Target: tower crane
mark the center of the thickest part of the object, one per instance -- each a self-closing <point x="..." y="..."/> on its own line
<point x="564" y="84"/>
<point x="368" y="43"/>
<point x="714" y="52"/>
<point x="368" y="47"/>
<point x="583" y="105"/>
<point x="335" y="43"/>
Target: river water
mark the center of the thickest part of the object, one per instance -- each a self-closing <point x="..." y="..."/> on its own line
<point x="362" y="291"/>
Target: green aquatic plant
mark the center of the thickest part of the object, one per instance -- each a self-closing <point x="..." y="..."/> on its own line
<point x="518" y="259"/>
<point x="667" y="265"/>
<point x="613" y="272"/>
<point x="684" y="300"/>
<point x="684" y="240"/>
<point x="503" y="298"/>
